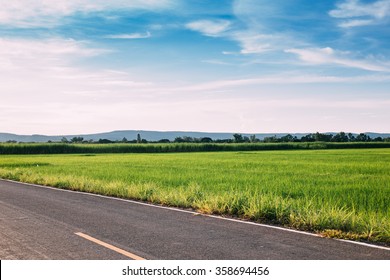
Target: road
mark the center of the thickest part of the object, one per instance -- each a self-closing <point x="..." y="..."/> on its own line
<point x="47" y="223"/>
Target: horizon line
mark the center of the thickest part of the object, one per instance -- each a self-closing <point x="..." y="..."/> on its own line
<point x="189" y="131"/>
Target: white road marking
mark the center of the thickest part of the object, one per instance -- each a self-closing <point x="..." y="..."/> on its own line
<point x="109" y="246"/>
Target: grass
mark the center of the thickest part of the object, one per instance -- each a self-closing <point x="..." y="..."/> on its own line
<point x="64" y="148"/>
<point x="343" y="193"/>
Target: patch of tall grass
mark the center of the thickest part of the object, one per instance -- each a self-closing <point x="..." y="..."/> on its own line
<point x="65" y="148"/>
<point x="339" y="193"/>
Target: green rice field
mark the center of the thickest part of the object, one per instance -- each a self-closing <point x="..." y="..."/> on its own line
<point x="343" y="193"/>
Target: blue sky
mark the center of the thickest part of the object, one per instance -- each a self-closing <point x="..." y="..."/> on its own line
<point x="82" y="66"/>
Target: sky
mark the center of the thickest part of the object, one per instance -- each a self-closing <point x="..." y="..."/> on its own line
<point x="249" y="66"/>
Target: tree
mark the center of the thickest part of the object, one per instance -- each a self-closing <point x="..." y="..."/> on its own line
<point x="104" y="141"/>
<point x="340" y="137"/>
<point x="206" y="140"/>
<point x="319" y="137"/>
<point x="163" y="141"/>
<point x="271" y="139"/>
<point x="238" y="138"/>
<point x="308" y="138"/>
<point x="178" y="140"/>
<point x="253" y="139"/>
<point x="77" y="139"/>
<point x="287" y="138"/>
<point x="363" y="138"/>
<point x="64" y="140"/>
<point x="188" y="139"/>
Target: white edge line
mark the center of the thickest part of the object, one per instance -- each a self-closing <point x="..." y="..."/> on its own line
<point x="193" y="212"/>
<point x="363" y="244"/>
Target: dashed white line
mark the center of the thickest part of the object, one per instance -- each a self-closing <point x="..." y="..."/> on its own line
<point x="109" y="246"/>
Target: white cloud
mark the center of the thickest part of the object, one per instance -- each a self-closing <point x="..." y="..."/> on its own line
<point x="38" y="72"/>
<point x="354" y="8"/>
<point x="355" y="13"/>
<point x="252" y="42"/>
<point x="210" y="28"/>
<point x="130" y="36"/>
<point x="355" y="23"/>
<point x="42" y="54"/>
<point x="280" y="79"/>
<point x="216" y="62"/>
<point x="318" y="56"/>
<point x="46" y="13"/>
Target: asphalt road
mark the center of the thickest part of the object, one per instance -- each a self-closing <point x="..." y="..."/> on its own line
<point x="47" y="223"/>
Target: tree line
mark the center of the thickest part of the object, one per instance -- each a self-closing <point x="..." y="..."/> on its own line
<point x="239" y="138"/>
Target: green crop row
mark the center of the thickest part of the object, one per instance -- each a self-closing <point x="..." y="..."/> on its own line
<point x="63" y="148"/>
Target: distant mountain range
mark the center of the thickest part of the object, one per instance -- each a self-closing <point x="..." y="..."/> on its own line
<point x="151" y="135"/>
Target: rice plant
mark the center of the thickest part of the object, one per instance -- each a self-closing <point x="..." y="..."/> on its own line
<point x="339" y="193"/>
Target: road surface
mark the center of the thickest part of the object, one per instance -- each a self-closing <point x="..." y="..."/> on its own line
<point x="46" y="223"/>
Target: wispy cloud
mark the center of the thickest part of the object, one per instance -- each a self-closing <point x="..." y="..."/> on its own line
<point x="355" y="23"/>
<point x="355" y="13"/>
<point x="49" y="69"/>
<point x="252" y="42"/>
<point x="210" y="28"/>
<point x="16" y="51"/>
<point x="251" y="28"/>
<point x="216" y="62"/>
<point x="130" y="36"/>
<point x="39" y="13"/>
<point x="282" y="78"/>
<point x="317" y="56"/>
